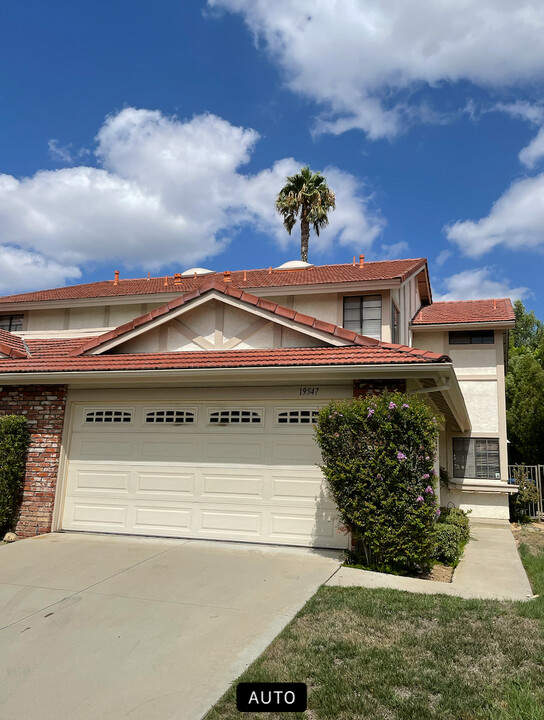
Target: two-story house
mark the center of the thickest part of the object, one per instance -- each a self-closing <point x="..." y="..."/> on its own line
<point x="184" y="406"/>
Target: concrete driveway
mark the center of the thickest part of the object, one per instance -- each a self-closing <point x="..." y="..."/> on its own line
<point x="104" y="628"/>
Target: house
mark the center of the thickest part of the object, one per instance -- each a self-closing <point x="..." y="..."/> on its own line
<point x="183" y="406"/>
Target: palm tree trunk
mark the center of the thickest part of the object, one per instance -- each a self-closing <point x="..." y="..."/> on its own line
<point x="304" y="237"/>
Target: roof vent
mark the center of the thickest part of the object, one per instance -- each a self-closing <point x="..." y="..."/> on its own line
<point x="196" y="271"/>
<point x="294" y="265"/>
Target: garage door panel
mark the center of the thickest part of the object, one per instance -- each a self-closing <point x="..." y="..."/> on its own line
<point x="297" y="526"/>
<point x="100" y="480"/>
<point x="90" y="515"/>
<point x="177" y="449"/>
<point x="166" y="520"/>
<point x="226" y="522"/>
<point x="297" y="489"/>
<point x="100" y="447"/>
<point x="234" y="486"/>
<point x="229" y="449"/>
<point x="161" y="483"/>
<point x="295" y="451"/>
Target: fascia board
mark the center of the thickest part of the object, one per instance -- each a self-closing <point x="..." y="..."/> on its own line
<point x="490" y="325"/>
<point x="247" y="375"/>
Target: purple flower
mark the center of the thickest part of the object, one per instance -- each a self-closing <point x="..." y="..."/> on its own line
<point x="437" y="513"/>
<point x="401" y="456"/>
<point x="429" y="490"/>
<point x="427" y="457"/>
<point x="336" y="435"/>
<point x="370" y="412"/>
<point x="392" y="406"/>
<point x="379" y="477"/>
<point x="405" y="405"/>
<point x="426" y="476"/>
<point x="419" y="498"/>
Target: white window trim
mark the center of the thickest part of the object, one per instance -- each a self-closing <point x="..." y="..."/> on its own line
<point x="293" y="408"/>
<point x="165" y="408"/>
<point x="242" y="408"/>
<point x="88" y="410"/>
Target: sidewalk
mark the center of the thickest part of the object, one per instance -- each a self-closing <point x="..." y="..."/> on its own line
<point x="490" y="569"/>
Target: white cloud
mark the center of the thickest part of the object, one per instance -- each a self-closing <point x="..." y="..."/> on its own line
<point x="443" y="256"/>
<point x="534" y="151"/>
<point x="394" y="251"/>
<point x="23" y="270"/>
<point x="167" y="191"/>
<point x="59" y="153"/>
<point x="360" y="59"/>
<point x="516" y="220"/>
<point x="478" y="283"/>
<point x="534" y="114"/>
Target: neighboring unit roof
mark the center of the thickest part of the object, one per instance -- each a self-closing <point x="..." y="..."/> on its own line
<point x="48" y="362"/>
<point x="11" y="345"/>
<point x="465" y="311"/>
<point x="268" y="277"/>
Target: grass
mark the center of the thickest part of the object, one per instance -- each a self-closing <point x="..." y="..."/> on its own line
<point x="385" y="654"/>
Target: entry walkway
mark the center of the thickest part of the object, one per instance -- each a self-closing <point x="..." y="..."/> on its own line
<point x="490" y="569"/>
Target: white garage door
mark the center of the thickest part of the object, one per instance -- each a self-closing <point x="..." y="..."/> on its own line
<point x="235" y="471"/>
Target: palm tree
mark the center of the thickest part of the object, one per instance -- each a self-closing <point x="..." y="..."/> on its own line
<point x="307" y="195"/>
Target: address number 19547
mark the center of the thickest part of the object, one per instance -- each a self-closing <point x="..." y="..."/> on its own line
<point x="308" y="390"/>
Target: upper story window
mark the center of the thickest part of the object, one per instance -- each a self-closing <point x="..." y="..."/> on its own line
<point x="472" y="337"/>
<point x="11" y="323"/>
<point x="395" y="324"/>
<point x="363" y="314"/>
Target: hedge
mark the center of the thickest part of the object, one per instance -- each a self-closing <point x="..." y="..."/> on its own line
<point x="14" y="441"/>
<point x="378" y="459"/>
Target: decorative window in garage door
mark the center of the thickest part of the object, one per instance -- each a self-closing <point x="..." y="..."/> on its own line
<point x="108" y="416"/>
<point x="236" y="417"/>
<point x="174" y="417"/>
<point x="300" y="416"/>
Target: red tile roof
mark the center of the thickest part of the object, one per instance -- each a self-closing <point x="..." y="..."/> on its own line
<point x="245" y="279"/>
<point x="49" y="362"/>
<point x="466" y="311"/>
<point x="229" y="290"/>
<point x="12" y="345"/>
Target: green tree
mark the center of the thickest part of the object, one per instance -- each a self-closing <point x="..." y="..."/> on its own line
<point x="525" y="388"/>
<point x="305" y="195"/>
<point x="529" y="331"/>
<point x="525" y="408"/>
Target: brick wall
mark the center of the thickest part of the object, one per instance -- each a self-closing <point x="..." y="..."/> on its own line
<point x="44" y="407"/>
<point x="361" y="388"/>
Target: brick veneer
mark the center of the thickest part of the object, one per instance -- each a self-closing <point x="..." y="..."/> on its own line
<point x="44" y="406"/>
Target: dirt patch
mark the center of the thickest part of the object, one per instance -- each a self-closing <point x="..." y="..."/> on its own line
<point x="530" y="534"/>
<point x="439" y="573"/>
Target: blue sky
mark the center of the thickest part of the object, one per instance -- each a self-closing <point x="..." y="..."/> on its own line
<point x="145" y="136"/>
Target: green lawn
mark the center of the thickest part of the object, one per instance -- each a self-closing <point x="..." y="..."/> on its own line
<point x="393" y="655"/>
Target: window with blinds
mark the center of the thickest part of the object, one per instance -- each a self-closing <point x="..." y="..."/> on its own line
<point x="363" y="314"/>
<point x="476" y="458"/>
<point x="11" y="323"/>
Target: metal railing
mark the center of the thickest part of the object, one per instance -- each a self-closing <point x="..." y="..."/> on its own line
<point x="536" y="474"/>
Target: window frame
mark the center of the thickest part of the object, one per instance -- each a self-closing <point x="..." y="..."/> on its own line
<point x="313" y="410"/>
<point x="16" y="316"/>
<point x="228" y="423"/>
<point x="395" y="323"/>
<point x="94" y="422"/>
<point x="369" y="297"/>
<point x="472" y="336"/>
<point x="492" y="466"/>
<point x="167" y="421"/>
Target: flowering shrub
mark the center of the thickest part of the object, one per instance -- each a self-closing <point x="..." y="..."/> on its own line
<point x="378" y="457"/>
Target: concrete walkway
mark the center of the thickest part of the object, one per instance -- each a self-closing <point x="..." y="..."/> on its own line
<point x="490" y="569"/>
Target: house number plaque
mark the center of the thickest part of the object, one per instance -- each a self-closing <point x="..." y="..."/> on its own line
<point x="308" y="390"/>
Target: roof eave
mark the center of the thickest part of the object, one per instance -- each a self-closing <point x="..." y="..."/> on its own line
<point x="506" y="324"/>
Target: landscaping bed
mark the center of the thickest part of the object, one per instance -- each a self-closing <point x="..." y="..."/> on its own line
<point x="391" y="655"/>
